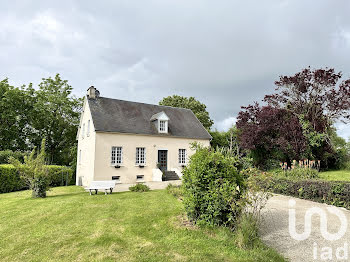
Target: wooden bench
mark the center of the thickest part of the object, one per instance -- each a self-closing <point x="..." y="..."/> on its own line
<point x="102" y="185"/>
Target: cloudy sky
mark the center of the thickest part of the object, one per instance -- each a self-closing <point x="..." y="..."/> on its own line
<point x="225" y="53"/>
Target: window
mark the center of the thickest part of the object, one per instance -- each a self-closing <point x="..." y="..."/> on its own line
<point x="140" y="156"/>
<point x="88" y="128"/>
<point x="162" y="126"/>
<point x="79" y="157"/>
<point x="117" y="178"/>
<point x="182" y="156"/>
<point x="139" y="178"/>
<point x="117" y="155"/>
<point x="83" y="131"/>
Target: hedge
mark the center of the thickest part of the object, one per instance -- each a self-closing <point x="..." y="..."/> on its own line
<point x="4" y="156"/>
<point x="329" y="192"/>
<point x="11" y="181"/>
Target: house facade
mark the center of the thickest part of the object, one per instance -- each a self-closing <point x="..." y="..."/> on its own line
<point x="134" y="142"/>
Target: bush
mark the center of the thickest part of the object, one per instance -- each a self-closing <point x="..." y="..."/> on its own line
<point x="10" y="179"/>
<point x="139" y="188"/>
<point x="298" y="173"/>
<point x="60" y="176"/>
<point x="329" y="192"/>
<point x="176" y="191"/>
<point x="212" y="188"/>
<point x="5" y="155"/>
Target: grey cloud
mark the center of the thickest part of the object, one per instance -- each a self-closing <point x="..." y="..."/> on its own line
<point x="226" y="53"/>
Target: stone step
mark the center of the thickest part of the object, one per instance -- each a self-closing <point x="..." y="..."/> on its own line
<point x="170" y="175"/>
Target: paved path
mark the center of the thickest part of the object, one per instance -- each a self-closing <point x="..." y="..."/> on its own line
<point x="275" y="231"/>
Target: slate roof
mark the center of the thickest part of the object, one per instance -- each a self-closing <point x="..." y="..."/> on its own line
<point x="113" y="115"/>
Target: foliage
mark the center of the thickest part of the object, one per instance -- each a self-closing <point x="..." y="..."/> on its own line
<point x="139" y="188"/>
<point x="270" y="133"/>
<point x="34" y="171"/>
<point x="28" y="114"/>
<point x="57" y="118"/>
<point x="6" y="154"/>
<point x="10" y="179"/>
<point x="219" y="139"/>
<point x="247" y="232"/>
<point x="176" y="191"/>
<point x="318" y="99"/>
<point x="60" y="176"/>
<point x="315" y="94"/>
<point x="15" y="107"/>
<point x="329" y="192"/>
<point x="125" y="223"/>
<point x="198" y="108"/>
<point x="212" y="188"/>
<point x="254" y="200"/>
<point x="298" y="173"/>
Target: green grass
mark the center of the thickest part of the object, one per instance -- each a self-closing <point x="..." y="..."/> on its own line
<point x="338" y="175"/>
<point x="70" y="225"/>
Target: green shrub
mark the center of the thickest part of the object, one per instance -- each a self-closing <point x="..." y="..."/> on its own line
<point x="60" y="176"/>
<point x="298" y="173"/>
<point x="5" y="155"/>
<point x="176" y="191"/>
<point x="212" y="188"/>
<point x="139" y="188"/>
<point x="247" y="232"/>
<point x="10" y="179"/>
<point x="329" y="192"/>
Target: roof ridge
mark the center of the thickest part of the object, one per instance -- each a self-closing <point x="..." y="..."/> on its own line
<point x="141" y="103"/>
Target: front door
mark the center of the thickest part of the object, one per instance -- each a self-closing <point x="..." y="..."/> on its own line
<point x="163" y="159"/>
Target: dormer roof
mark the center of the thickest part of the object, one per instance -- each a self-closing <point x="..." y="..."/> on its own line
<point x="160" y="116"/>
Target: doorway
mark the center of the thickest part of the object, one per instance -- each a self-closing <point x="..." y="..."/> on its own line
<point x="163" y="159"/>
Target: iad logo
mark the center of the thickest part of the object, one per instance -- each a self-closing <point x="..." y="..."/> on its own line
<point x="326" y="253"/>
<point x="323" y="222"/>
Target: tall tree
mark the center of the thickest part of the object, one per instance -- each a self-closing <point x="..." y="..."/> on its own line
<point x="270" y="132"/>
<point x="56" y="118"/>
<point x="15" y="105"/>
<point x="316" y="94"/>
<point x="198" y="108"/>
<point x="318" y="98"/>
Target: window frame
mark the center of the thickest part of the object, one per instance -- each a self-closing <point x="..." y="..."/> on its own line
<point x="88" y="128"/>
<point x="182" y="156"/>
<point x="139" y="157"/>
<point x="83" y="131"/>
<point x="79" y="157"/>
<point x="163" y="126"/>
<point x="116" y="157"/>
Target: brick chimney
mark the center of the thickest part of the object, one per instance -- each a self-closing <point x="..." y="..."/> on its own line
<point x="92" y="92"/>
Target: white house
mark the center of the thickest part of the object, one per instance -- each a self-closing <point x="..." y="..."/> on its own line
<point x="131" y="142"/>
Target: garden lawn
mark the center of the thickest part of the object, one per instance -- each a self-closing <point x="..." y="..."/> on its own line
<point x="70" y="225"/>
<point x="338" y="175"/>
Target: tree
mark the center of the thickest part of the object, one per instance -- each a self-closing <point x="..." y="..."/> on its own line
<point x="270" y="132"/>
<point x="197" y="107"/>
<point x="15" y="105"/>
<point x="318" y="99"/>
<point x="56" y="118"/>
<point x="34" y="171"/>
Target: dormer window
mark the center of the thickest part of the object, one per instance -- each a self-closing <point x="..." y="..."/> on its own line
<point x="162" y="126"/>
<point x="160" y="121"/>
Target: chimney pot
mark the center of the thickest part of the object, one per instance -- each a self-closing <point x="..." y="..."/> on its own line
<point x="92" y="92"/>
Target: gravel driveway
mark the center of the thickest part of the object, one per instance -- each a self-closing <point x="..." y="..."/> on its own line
<point x="275" y="231"/>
